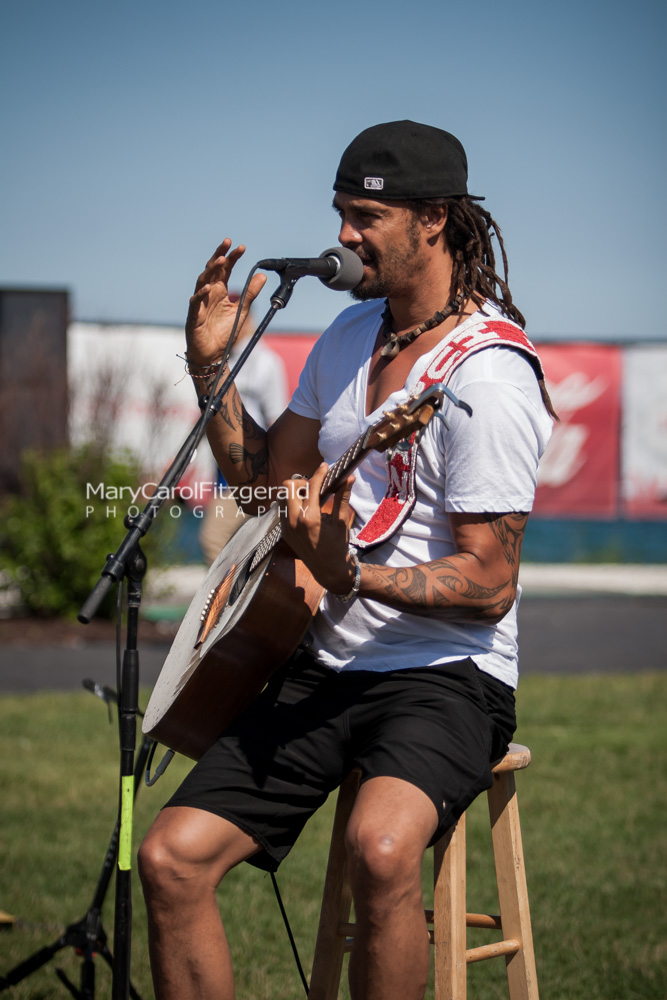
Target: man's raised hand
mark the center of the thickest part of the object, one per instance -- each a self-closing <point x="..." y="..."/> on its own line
<point x="211" y="314"/>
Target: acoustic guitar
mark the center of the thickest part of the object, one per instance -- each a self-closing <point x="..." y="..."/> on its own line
<point x="253" y="608"/>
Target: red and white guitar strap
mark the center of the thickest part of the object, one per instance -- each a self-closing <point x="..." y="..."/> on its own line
<point x="400" y="496"/>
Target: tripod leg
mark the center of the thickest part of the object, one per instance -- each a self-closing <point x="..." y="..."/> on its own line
<point x="30" y="965"/>
<point x="88" y="934"/>
<point x="68" y="984"/>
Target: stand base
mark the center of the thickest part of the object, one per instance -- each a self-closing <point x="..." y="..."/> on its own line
<point x="76" y="936"/>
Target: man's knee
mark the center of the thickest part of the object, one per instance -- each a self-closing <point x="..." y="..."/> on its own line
<point x="157" y="862"/>
<point x="188" y="851"/>
<point x="382" y="856"/>
<point x="170" y="862"/>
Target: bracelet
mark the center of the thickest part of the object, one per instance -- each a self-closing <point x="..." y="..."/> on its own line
<point x="205" y="370"/>
<point x="213" y="371"/>
<point x="346" y="598"/>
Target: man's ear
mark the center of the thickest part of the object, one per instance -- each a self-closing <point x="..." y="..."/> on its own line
<point x="434" y="219"/>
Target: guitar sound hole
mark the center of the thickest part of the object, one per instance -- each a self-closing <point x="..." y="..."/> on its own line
<point x="239" y="583"/>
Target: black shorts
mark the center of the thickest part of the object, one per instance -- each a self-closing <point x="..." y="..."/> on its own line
<point x="439" y="728"/>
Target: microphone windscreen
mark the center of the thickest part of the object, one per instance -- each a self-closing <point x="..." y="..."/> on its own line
<point x="350" y="272"/>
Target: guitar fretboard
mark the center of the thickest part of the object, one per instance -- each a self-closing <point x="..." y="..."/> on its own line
<point x="346" y="462"/>
<point x="267" y="545"/>
<point x="336" y="472"/>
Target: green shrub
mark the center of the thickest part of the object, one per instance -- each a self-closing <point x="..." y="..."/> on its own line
<point x="56" y="534"/>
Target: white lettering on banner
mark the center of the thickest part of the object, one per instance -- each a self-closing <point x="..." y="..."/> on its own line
<point x="575" y="391"/>
<point x="564" y="456"/>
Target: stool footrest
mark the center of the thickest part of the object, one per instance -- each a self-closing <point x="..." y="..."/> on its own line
<point x="489" y="921"/>
<point x="498" y="948"/>
<point x="509" y="947"/>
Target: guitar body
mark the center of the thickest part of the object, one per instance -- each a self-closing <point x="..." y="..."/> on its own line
<point x="254" y="607"/>
<point x="204" y="686"/>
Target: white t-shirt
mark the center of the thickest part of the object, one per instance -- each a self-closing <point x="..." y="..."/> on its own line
<point x="484" y="463"/>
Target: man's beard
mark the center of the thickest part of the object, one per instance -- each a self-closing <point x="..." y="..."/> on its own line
<point x="391" y="273"/>
<point x="375" y="286"/>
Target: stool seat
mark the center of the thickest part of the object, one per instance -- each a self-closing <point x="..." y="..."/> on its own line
<point x="449" y="915"/>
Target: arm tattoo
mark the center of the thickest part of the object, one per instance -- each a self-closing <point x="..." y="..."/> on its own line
<point x="410" y="583"/>
<point x="231" y="411"/>
<point x="441" y="587"/>
<point x="241" y="424"/>
<point x="449" y="588"/>
<point x="256" y="463"/>
<point x="509" y="529"/>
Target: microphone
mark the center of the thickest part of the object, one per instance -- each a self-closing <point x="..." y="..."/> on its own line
<point x="337" y="268"/>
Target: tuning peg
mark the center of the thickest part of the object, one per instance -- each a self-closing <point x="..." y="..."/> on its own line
<point x="462" y="405"/>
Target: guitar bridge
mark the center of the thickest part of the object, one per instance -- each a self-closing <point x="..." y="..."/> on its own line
<point x="214" y="606"/>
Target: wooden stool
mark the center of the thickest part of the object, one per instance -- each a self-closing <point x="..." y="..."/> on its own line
<point x="448" y="916"/>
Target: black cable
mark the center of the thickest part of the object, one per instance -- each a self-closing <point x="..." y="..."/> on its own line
<point x="289" y="933"/>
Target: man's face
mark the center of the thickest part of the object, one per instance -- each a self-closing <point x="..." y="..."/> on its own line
<point x="386" y="237"/>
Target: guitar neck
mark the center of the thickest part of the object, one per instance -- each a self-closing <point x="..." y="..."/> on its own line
<point x="338" y="472"/>
<point x="407" y="419"/>
<point x="334" y="478"/>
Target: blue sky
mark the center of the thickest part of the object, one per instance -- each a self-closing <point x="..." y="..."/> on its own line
<point x="137" y="135"/>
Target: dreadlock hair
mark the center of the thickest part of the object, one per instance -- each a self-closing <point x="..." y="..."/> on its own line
<point x="468" y="236"/>
<point x="469" y="233"/>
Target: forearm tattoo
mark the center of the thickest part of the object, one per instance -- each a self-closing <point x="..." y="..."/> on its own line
<point x="443" y="588"/>
<point x="241" y="425"/>
<point x="449" y="587"/>
<point x="231" y="411"/>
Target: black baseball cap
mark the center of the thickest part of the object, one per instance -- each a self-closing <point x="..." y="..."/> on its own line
<point x="403" y="161"/>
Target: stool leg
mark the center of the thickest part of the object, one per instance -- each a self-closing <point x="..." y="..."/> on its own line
<point x="512" y="889"/>
<point x="336" y="902"/>
<point x="449" y="914"/>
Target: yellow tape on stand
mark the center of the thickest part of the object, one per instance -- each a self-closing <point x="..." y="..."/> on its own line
<point x="126" y="811"/>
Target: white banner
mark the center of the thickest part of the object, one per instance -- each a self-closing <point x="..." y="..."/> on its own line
<point x="127" y="384"/>
<point x="644" y="431"/>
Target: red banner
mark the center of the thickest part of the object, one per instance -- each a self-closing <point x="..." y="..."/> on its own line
<point x="579" y="472"/>
<point x="293" y="348"/>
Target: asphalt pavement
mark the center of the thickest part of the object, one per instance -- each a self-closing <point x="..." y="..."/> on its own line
<point x="587" y="619"/>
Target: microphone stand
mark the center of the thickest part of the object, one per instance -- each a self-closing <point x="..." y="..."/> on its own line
<point x="87" y="936"/>
<point x="130" y="562"/>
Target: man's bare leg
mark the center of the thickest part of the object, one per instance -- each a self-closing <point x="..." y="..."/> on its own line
<point x="183" y="857"/>
<point x="391" y="824"/>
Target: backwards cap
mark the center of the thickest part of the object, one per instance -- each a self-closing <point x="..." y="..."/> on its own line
<point x="403" y="161"/>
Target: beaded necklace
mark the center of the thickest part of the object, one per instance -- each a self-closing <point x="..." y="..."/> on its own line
<point x="395" y="343"/>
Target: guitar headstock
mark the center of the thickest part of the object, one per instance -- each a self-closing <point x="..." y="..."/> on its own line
<point x="393" y="427"/>
<point x="401" y="422"/>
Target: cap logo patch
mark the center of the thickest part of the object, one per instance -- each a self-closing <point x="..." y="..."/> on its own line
<point x="374" y="183"/>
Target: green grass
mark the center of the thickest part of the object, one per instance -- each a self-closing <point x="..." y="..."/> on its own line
<point x="593" y="818"/>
